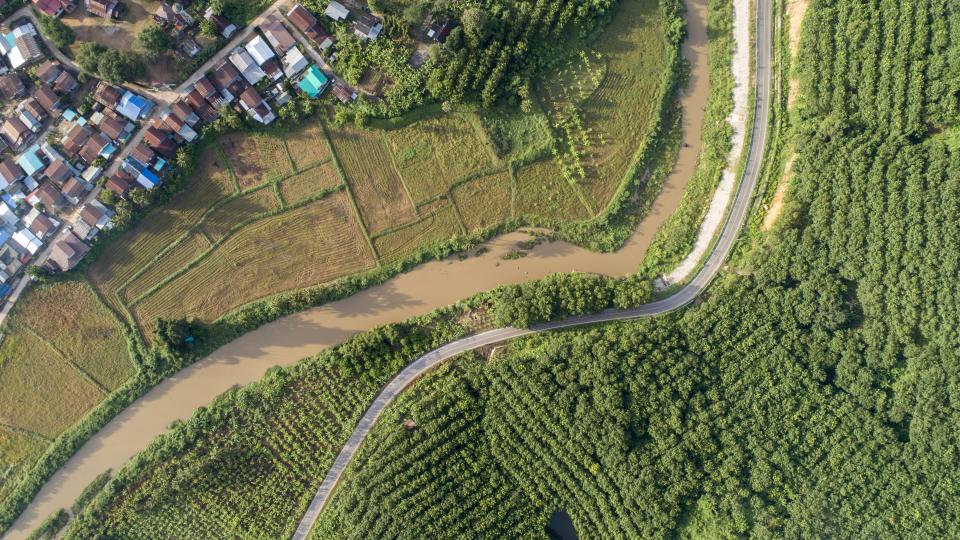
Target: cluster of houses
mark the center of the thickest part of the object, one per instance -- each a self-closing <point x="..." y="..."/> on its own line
<point x="365" y="25"/>
<point x="108" y="9"/>
<point x="52" y="157"/>
<point x="20" y="46"/>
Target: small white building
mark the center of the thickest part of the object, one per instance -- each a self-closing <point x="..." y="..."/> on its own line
<point x="337" y="11"/>
<point x="294" y="62"/>
<point x="247" y="66"/>
<point x="28" y="241"/>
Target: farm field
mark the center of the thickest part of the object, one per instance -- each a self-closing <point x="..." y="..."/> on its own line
<point x="62" y="353"/>
<point x="374" y="196"/>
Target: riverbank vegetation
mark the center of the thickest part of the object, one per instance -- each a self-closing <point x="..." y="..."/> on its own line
<point x="53" y="369"/>
<point x="217" y="215"/>
<point x="807" y="392"/>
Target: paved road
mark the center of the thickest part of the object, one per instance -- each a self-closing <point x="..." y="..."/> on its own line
<point x="731" y="230"/>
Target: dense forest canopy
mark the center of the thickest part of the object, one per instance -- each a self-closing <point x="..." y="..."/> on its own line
<point x="813" y="396"/>
<point x="811" y="393"/>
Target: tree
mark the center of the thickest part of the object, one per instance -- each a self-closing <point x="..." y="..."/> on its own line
<point x="88" y="56"/>
<point x="208" y="29"/>
<point x="119" y="66"/>
<point x="153" y="40"/>
<point x="57" y="31"/>
<point x="475" y="24"/>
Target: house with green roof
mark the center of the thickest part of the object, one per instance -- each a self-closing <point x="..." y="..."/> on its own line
<point x="314" y="82"/>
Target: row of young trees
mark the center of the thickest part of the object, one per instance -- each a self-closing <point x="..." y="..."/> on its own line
<point x="501" y="45"/>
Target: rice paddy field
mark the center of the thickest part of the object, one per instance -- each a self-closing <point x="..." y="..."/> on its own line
<point x="53" y="369"/>
<point x="272" y="212"/>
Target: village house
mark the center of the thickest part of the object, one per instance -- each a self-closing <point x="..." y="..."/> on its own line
<point x="134" y="106"/>
<point x="143" y="154"/>
<point x="108" y="9"/>
<point x="336" y="11"/>
<point x="184" y="112"/>
<point x="20" y="46"/>
<point x="65" y="83"/>
<point x="344" y="94"/>
<point x="66" y="252"/>
<point x="17" y="133"/>
<point x="32" y="114"/>
<point x="75" y="138"/>
<point x="96" y="216"/>
<point x="48" y="195"/>
<point x="120" y="183"/>
<point x="97" y="146"/>
<point x="144" y="176"/>
<point x="28" y="241"/>
<point x="222" y="24"/>
<point x="180" y="128"/>
<point x="201" y="106"/>
<point x="49" y="100"/>
<point x="12" y="86"/>
<point x="54" y="8"/>
<point x="7" y="215"/>
<point x="367" y="27"/>
<point x="440" y="28"/>
<point x="48" y="71"/>
<point x="10" y="173"/>
<point x="40" y="224"/>
<point x="110" y="124"/>
<point x="205" y="88"/>
<point x="10" y="262"/>
<point x="247" y="66"/>
<point x="106" y="94"/>
<point x="228" y="80"/>
<point x="294" y="62"/>
<point x="256" y="107"/>
<point x="277" y="35"/>
<point x="160" y="140"/>
<point x="58" y="171"/>
<point x="73" y="190"/>
<point x="304" y="21"/>
<point x="173" y="17"/>
<point x="314" y="82"/>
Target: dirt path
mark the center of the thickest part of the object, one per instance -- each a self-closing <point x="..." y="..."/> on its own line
<point x="421" y="290"/>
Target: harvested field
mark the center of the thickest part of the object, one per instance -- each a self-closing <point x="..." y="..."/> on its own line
<point x="620" y="110"/>
<point x="313" y="244"/>
<point x="18" y="451"/>
<point x="220" y="221"/>
<point x="39" y="391"/>
<point x="484" y="202"/>
<point x="438" y="223"/>
<point x="187" y="250"/>
<point x="90" y="336"/>
<point x="432" y="154"/>
<point x="542" y="191"/>
<point x="372" y="178"/>
<point x="307" y="145"/>
<point x="309" y="183"/>
<point x="135" y="248"/>
<point x="255" y="158"/>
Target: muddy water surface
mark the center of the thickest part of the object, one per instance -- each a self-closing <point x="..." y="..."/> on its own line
<point x="423" y="289"/>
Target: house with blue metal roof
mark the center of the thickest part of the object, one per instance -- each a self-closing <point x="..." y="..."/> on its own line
<point x="134" y="106"/>
<point x="30" y="160"/>
<point x="145" y="177"/>
<point x="314" y="82"/>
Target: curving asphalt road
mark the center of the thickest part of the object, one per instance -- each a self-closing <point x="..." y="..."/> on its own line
<point x="736" y="218"/>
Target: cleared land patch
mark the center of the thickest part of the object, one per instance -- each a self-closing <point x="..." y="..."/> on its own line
<point x="90" y="336"/>
<point x="177" y="257"/>
<point x="518" y="137"/>
<point x="315" y="243"/>
<point x="309" y="183"/>
<point x="542" y="191"/>
<point x="220" y="221"/>
<point x="439" y="222"/>
<point x="372" y="178"/>
<point x="484" y="202"/>
<point x="432" y="154"/>
<point x="307" y="146"/>
<point x="255" y="158"/>
<point x="39" y="391"/>
<point x="136" y="248"/>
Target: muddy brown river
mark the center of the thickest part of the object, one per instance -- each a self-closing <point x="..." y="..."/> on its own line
<point x="419" y="291"/>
